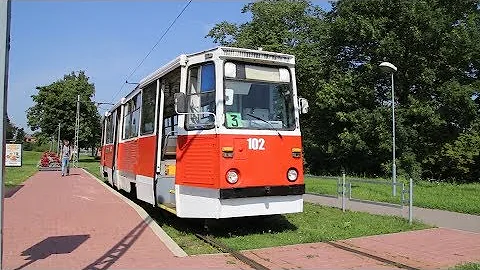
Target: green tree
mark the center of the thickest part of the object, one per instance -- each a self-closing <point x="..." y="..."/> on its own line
<point x="20" y="135"/>
<point x="57" y="104"/>
<point x="10" y="129"/>
<point x="434" y="43"/>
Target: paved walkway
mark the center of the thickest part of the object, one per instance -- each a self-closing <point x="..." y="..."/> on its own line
<point x="434" y="217"/>
<point x="76" y="222"/>
<point x="424" y="249"/>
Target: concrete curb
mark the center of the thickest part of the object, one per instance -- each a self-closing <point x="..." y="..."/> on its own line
<point x="171" y="245"/>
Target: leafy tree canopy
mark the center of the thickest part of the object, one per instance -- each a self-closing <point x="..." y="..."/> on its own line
<point x="434" y="43"/>
<point x="12" y="132"/>
<point x="56" y="104"/>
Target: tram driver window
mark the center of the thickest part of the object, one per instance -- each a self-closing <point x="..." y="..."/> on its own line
<point x="201" y="97"/>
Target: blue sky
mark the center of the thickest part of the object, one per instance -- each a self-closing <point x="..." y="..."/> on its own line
<point x="106" y="39"/>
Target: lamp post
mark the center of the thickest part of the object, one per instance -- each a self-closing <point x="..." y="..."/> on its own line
<point x="390" y="68"/>
<point x="77" y="133"/>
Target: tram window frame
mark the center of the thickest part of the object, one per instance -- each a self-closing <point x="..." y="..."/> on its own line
<point x="102" y="136"/>
<point x="170" y="84"/>
<point x="149" y="98"/>
<point x="109" y="131"/>
<point x="106" y="123"/>
<point x="133" y="106"/>
<point x="241" y="77"/>
<point x="199" y="92"/>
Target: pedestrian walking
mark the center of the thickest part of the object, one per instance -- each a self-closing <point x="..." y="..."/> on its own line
<point x="66" y="157"/>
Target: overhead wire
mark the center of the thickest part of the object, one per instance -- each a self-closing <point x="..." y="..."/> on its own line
<point x="151" y="50"/>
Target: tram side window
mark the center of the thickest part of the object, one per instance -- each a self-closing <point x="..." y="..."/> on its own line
<point x="103" y="125"/>
<point x="201" y="97"/>
<point x="171" y="85"/>
<point x="127" y="124"/>
<point x="132" y="117"/>
<point x="109" y="133"/>
<point x="148" y="109"/>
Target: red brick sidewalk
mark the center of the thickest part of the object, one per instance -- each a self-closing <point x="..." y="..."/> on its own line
<point x="76" y="223"/>
<point x="424" y="249"/>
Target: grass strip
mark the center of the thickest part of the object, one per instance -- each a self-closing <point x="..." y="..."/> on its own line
<point x="15" y="176"/>
<point x="462" y="198"/>
<point x="467" y="266"/>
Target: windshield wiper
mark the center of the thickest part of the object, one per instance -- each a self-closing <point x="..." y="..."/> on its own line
<point x="263" y="120"/>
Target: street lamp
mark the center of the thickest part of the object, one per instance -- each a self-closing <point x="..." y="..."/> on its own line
<point x="390" y="68"/>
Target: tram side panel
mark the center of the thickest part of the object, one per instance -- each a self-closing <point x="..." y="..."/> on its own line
<point x="145" y="167"/>
<point x="198" y="161"/>
<point x="197" y="176"/>
<point x="127" y="163"/>
<point x="107" y="161"/>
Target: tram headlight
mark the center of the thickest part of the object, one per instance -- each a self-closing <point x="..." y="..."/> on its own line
<point x="232" y="176"/>
<point x="292" y="174"/>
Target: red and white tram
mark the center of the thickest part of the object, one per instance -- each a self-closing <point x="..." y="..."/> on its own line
<point x="213" y="134"/>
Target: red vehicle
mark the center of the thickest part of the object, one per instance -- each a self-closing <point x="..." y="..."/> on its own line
<point x="213" y="134"/>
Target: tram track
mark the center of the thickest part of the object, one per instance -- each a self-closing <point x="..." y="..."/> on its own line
<point x="372" y="256"/>
<point x="256" y="265"/>
<point x="236" y="254"/>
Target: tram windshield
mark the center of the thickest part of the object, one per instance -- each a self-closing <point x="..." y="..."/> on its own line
<point x="258" y="97"/>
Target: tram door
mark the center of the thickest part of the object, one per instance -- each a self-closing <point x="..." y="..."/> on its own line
<point x="116" y="134"/>
<point x="167" y="143"/>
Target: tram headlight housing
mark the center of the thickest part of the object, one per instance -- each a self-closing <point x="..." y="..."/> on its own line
<point x="292" y="174"/>
<point x="232" y="176"/>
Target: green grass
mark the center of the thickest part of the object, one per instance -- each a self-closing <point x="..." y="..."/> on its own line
<point x="467" y="266"/>
<point x="17" y="175"/>
<point x="315" y="224"/>
<point x="91" y="165"/>
<point x="461" y="198"/>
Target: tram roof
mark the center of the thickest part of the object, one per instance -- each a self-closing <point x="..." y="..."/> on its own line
<point x="231" y="52"/>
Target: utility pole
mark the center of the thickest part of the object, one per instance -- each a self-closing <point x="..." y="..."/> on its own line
<point x="77" y="130"/>
<point x="4" y="48"/>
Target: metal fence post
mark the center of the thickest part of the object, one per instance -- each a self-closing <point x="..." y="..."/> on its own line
<point x="350" y="190"/>
<point x="403" y="194"/>
<point x="343" y="192"/>
<point x="410" y="202"/>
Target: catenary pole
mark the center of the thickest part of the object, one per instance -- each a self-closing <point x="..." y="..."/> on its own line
<point x="4" y="48"/>
<point x="77" y="130"/>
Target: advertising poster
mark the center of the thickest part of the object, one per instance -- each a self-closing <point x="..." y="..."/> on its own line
<point x="13" y="155"/>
